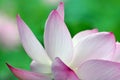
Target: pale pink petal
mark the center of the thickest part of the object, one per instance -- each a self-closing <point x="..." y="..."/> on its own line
<point x="41" y="68"/>
<point x="99" y="70"/>
<point x="117" y="53"/>
<point x="62" y="72"/>
<point x="31" y="45"/>
<point x="60" y="9"/>
<point x="96" y="46"/>
<point x="26" y="75"/>
<point x="57" y="39"/>
<point x="82" y="34"/>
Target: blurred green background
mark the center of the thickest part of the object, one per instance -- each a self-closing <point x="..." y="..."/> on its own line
<point x="79" y="15"/>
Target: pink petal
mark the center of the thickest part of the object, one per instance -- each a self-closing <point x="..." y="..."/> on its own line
<point x="82" y="34"/>
<point x="99" y="70"/>
<point x="60" y="9"/>
<point x="95" y="46"/>
<point x="57" y="38"/>
<point x="62" y="72"/>
<point x="41" y="68"/>
<point x="31" y="45"/>
<point x="117" y="53"/>
<point x="26" y="75"/>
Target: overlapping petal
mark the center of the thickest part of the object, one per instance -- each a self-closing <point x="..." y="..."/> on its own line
<point x="41" y="68"/>
<point x="57" y="38"/>
<point x="62" y="72"/>
<point x="116" y="57"/>
<point x="26" y="75"/>
<point x="95" y="46"/>
<point x="60" y="9"/>
<point x="31" y="45"/>
<point x="79" y="36"/>
<point x="99" y="70"/>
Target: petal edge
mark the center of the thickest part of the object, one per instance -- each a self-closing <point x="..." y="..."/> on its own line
<point x="57" y="39"/>
<point x="26" y="75"/>
<point x="30" y="43"/>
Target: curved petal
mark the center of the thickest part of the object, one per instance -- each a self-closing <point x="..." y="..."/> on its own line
<point x="26" y="75"/>
<point x="99" y="70"/>
<point x="82" y="34"/>
<point x="117" y="53"/>
<point x="60" y="9"/>
<point x="31" y="45"/>
<point x="57" y="38"/>
<point x="41" y="68"/>
<point x="62" y="72"/>
<point x="96" y="46"/>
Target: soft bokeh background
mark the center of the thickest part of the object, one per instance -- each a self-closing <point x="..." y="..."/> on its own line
<point x="79" y="15"/>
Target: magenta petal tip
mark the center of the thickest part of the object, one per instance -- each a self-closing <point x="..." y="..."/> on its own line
<point x="54" y="12"/>
<point x="61" y="3"/>
<point x="9" y="66"/>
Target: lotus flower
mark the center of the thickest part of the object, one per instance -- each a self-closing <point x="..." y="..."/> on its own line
<point x="86" y="56"/>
